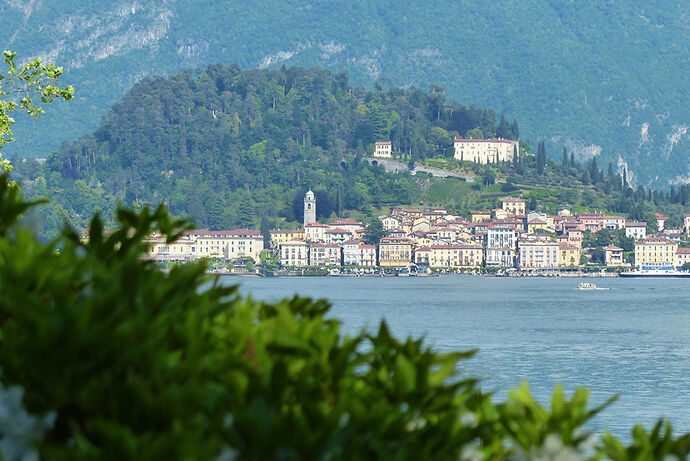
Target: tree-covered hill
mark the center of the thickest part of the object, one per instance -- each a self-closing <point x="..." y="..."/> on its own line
<point x="604" y="77"/>
<point x="226" y="146"/>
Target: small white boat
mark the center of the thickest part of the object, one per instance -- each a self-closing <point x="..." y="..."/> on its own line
<point x="587" y="286"/>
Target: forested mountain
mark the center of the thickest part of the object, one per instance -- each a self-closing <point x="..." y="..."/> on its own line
<point x="226" y="146"/>
<point x="605" y="78"/>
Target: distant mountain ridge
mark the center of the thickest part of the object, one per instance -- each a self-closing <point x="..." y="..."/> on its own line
<point x="603" y="78"/>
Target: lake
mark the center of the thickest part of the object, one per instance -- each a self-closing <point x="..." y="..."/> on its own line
<point x="632" y="340"/>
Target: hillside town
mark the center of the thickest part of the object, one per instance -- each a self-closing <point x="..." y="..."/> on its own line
<point x="508" y="237"/>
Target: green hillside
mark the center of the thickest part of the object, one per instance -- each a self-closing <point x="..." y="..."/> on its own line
<point x="605" y="78"/>
<point x="229" y="148"/>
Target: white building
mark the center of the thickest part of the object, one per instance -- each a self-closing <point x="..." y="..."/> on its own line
<point x="315" y="232"/>
<point x="383" y="149"/>
<point x="686" y="224"/>
<point x="636" y="230"/>
<point x="484" y="150"/>
<point x="537" y="253"/>
<point x="325" y="254"/>
<point x="500" y="257"/>
<point x="357" y="253"/>
<point x="294" y="253"/>
<point x="499" y="236"/>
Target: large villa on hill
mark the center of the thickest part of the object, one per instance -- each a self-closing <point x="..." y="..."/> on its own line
<point x="484" y="150"/>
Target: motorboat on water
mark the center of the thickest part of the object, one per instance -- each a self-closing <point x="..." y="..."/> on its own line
<point x="587" y="286"/>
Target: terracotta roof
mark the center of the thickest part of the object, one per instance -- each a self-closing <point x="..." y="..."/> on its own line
<point x="314" y="224"/>
<point x="635" y="224"/>
<point x="660" y="216"/>
<point x="654" y="240"/>
<point x="683" y="251"/>
<point x="337" y="230"/>
<point x="613" y="248"/>
<point x="483" y="140"/>
<point x="230" y="233"/>
<point x="513" y="199"/>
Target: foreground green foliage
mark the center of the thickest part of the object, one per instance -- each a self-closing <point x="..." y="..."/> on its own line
<point x="21" y="85"/>
<point x="113" y="358"/>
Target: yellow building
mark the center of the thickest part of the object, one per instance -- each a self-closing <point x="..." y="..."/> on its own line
<point x="480" y="216"/>
<point x="655" y="253"/>
<point x="450" y="256"/>
<point x="176" y="252"/>
<point x="568" y="255"/>
<point x="537" y="224"/>
<point x="279" y="236"/>
<point x="395" y="252"/>
<point x="230" y="245"/>
<point x="682" y="256"/>
<point x="516" y="206"/>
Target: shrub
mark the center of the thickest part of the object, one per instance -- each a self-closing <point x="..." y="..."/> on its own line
<point x="110" y="357"/>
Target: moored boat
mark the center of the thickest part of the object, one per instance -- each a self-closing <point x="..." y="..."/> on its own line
<point x="666" y="273"/>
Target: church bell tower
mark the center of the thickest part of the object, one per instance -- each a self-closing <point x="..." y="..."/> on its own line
<point x="309" y="207"/>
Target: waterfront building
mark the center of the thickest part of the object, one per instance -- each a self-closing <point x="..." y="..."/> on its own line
<point x="484" y="151"/>
<point x="613" y="256"/>
<point x="636" y="230"/>
<point x="325" y="254"/>
<point x="516" y="206"/>
<point x="315" y="232"/>
<point x="279" y="236"/>
<point x="537" y="254"/>
<point x="450" y="256"/>
<point x="575" y="237"/>
<point x="177" y="252"/>
<point x="383" y="149"/>
<point x="309" y="207"/>
<point x="682" y="256"/>
<point x="395" y="252"/>
<point x="501" y="235"/>
<point x="500" y="257"/>
<point x="655" y="253"/>
<point x="357" y="253"/>
<point x="660" y="221"/>
<point x="568" y="255"/>
<point x="229" y="245"/>
<point x="294" y="253"/>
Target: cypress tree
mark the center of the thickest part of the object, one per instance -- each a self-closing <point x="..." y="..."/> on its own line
<point x="541" y="158"/>
<point x="572" y="160"/>
<point x="565" y="160"/>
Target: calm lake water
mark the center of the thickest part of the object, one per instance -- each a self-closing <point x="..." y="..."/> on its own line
<point x="632" y="340"/>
